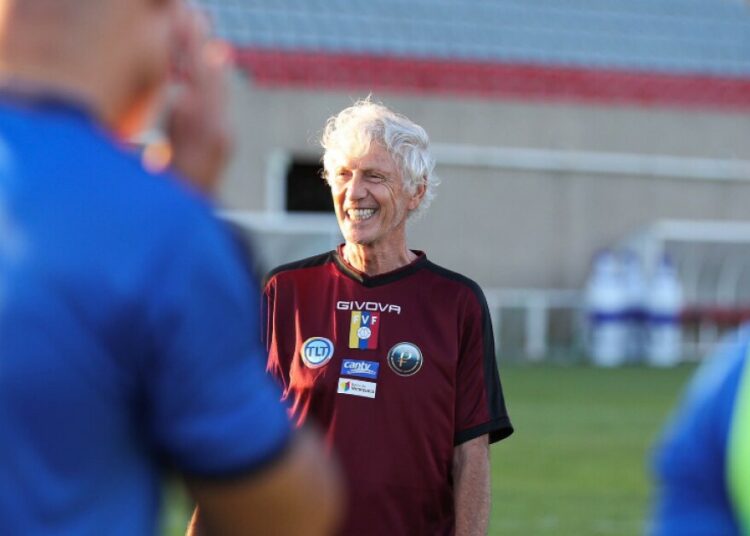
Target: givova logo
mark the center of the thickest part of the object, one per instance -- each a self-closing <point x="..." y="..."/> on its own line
<point x="368" y="306"/>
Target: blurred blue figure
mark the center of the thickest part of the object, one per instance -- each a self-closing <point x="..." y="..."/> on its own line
<point x="702" y="464"/>
<point x="129" y="327"/>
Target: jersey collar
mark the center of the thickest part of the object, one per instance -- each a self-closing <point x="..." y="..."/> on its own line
<point x="380" y="279"/>
<point x="35" y="97"/>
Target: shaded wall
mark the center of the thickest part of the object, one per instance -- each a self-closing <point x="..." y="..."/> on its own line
<point x="504" y="227"/>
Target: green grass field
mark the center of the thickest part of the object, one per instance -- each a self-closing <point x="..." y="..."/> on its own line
<point x="576" y="465"/>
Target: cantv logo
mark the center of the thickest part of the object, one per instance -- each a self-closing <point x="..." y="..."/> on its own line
<point x="364" y="369"/>
<point x="368" y="306"/>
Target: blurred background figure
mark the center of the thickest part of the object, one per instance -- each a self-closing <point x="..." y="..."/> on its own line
<point x="128" y="323"/>
<point x="703" y="462"/>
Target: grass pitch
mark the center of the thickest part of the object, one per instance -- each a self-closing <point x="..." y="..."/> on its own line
<point x="577" y="463"/>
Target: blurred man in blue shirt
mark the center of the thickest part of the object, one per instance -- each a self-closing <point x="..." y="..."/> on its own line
<point x="125" y="308"/>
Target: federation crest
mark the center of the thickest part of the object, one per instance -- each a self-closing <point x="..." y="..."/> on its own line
<point x="316" y="352"/>
<point x="363" y="330"/>
<point x="405" y="359"/>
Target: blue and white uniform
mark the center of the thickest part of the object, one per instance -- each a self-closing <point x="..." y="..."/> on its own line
<point x="126" y="316"/>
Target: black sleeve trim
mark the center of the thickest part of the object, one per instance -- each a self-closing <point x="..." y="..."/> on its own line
<point x="498" y="430"/>
<point x="492" y="384"/>
<point x="275" y="455"/>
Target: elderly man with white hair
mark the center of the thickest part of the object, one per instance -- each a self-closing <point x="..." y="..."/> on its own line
<point x="390" y="354"/>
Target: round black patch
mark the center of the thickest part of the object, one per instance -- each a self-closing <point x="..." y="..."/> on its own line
<point x="405" y="359"/>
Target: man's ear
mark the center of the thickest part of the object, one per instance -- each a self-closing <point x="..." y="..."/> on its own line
<point x="418" y="195"/>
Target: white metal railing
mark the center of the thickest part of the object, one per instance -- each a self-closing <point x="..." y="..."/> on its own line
<point x="590" y="162"/>
<point x="536" y="305"/>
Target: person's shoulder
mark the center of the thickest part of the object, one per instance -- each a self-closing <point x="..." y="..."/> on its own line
<point x="723" y="367"/>
<point x="301" y="264"/>
<point x="159" y="210"/>
<point x="460" y="281"/>
<point x="162" y="200"/>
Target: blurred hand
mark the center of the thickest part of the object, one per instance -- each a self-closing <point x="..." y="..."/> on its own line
<point x="196" y="123"/>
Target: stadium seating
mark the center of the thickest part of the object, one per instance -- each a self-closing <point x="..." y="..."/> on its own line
<point x="676" y="36"/>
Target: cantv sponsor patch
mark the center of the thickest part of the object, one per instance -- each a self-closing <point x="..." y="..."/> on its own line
<point x="363" y="369"/>
<point x="357" y="388"/>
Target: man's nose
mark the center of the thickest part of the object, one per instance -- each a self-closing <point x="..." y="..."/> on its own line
<point x="357" y="186"/>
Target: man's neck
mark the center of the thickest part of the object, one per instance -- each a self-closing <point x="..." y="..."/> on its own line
<point x="374" y="260"/>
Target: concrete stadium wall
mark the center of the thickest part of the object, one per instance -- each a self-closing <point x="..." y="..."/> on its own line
<point x="505" y="227"/>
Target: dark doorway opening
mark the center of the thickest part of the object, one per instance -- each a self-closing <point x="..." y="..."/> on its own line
<point x="306" y="191"/>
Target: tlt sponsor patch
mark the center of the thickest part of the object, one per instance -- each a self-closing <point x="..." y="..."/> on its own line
<point x="357" y="388"/>
<point x="363" y="369"/>
<point x="363" y="331"/>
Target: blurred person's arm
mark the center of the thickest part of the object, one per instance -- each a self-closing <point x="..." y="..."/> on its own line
<point x="299" y="495"/>
<point x="471" y="481"/>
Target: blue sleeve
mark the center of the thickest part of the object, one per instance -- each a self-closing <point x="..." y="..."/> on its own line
<point x="213" y="411"/>
<point x="690" y="462"/>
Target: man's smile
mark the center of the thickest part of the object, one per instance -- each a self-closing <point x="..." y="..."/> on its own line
<point x="360" y="214"/>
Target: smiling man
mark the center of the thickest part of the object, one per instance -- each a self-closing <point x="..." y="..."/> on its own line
<point x="389" y="353"/>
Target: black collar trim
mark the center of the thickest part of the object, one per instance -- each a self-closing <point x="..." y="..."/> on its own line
<point x="380" y="279"/>
<point x="33" y="97"/>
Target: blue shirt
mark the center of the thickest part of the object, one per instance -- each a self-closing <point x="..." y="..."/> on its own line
<point x="692" y="495"/>
<point x="128" y="331"/>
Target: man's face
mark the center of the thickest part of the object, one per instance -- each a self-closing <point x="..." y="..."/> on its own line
<point x="369" y="197"/>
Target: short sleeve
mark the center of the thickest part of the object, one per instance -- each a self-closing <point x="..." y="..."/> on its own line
<point x="212" y="410"/>
<point x="480" y="403"/>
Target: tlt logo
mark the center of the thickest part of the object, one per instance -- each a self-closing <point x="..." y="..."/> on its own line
<point x="316" y="352"/>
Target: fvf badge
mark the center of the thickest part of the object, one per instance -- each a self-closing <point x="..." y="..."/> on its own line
<point x="363" y="330"/>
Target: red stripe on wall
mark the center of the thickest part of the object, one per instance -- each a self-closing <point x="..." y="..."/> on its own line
<point x="276" y="68"/>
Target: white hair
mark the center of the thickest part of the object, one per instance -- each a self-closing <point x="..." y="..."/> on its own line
<point x="355" y="128"/>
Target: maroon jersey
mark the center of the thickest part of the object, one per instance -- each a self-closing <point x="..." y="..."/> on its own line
<point x="397" y="369"/>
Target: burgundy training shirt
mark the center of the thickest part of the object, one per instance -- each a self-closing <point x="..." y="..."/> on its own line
<point x="397" y="369"/>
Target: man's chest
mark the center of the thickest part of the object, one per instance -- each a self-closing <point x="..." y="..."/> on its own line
<point x="386" y="344"/>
